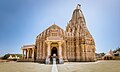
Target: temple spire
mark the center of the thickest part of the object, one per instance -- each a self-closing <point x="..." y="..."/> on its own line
<point x="78" y="6"/>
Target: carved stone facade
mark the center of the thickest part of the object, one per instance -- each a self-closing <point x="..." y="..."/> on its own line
<point x="74" y="44"/>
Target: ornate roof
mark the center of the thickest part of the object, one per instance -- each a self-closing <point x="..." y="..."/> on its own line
<point x="54" y="26"/>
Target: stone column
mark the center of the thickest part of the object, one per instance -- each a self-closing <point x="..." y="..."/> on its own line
<point x="43" y="56"/>
<point x="33" y="50"/>
<point x="60" y="53"/>
<point x="83" y="52"/>
<point x="60" y="50"/>
<point x="65" y="50"/>
<point x="28" y="53"/>
<point x="38" y="51"/>
<point x="23" y="53"/>
<point x="47" y="61"/>
<point x="94" y="57"/>
<point x="48" y="49"/>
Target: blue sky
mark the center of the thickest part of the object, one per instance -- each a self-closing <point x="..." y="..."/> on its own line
<point x="22" y="20"/>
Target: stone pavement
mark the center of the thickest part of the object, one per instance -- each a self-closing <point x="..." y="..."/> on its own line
<point x="100" y="66"/>
<point x="54" y="66"/>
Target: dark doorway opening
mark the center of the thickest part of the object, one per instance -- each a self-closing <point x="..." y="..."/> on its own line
<point x="54" y="51"/>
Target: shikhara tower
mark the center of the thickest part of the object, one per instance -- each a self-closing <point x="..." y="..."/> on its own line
<point x="74" y="44"/>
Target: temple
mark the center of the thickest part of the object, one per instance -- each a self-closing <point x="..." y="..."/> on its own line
<point x="75" y="44"/>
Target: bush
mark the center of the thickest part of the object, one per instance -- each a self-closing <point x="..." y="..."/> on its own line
<point x="6" y="56"/>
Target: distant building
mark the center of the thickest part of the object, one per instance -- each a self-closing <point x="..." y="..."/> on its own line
<point x="117" y="53"/>
<point x="109" y="56"/>
<point x="74" y="44"/>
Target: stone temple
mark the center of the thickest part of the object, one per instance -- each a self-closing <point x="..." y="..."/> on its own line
<point x="75" y="44"/>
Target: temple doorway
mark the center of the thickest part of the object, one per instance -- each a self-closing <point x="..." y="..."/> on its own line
<point x="54" y="51"/>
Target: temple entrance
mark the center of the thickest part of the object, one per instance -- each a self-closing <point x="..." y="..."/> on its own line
<point x="54" y="51"/>
<point x="53" y="55"/>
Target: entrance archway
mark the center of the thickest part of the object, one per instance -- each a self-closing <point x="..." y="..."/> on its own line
<point x="54" y="51"/>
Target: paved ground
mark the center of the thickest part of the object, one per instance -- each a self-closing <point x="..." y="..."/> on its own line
<point x="24" y="67"/>
<point x="54" y="66"/>
<point x="102" y="66"/>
